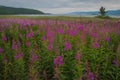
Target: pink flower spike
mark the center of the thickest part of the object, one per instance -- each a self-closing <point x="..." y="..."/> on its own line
<point x="18" y="56"/>
<point x="1" y="50"/>
<point x="67" y="46"/>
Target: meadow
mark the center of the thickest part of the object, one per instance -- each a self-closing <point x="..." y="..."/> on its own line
<point x="59" y="48"/>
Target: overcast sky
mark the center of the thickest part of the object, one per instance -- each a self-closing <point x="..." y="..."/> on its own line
<point x="63" y="6"/>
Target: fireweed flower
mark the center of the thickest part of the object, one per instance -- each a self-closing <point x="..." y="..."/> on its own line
<point x="60" y="31"/>
<point x="44" y="38"/>
<point x="87" y="31"/>
<point x="50" y="40"/>
<point x="94" y="35"/>
<point x="90" y="76"/>
<point x="83" y="38"/>
<point x="67" y="46"/>
<point x="2" y="29"/>
<point x="14" y="45"/>
<point x="31" y="32"/>
<point x="72" y="32"/>
<point x="118" y="33"/>
<point x="96" y="45"/>
<point x="77" y="56"/>
<point x="1" y="50"/>
<point x="49" y="47"/>
<point x="50" y="36"/>
<point x="58" y="61"/>
<point x="107" y="38"/>
<point x="4" y="38"/>
<point x="80" y="27"/>
<point x="27" y="43"/>
<point x="29" y="35"/>
<point x="18" y="56"/>
<point x="34" y="57"/>
<point x="115" y="63"/>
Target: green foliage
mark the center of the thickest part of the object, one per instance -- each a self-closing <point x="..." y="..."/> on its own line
<point x="102" y="11"/>
<point x="104" y="17"/>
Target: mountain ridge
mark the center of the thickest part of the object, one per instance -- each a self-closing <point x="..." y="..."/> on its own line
<point x="109" y="12"/>
<point x="4" y="10"/>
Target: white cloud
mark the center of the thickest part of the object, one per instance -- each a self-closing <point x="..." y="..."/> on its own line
<point x="63" y="6"/>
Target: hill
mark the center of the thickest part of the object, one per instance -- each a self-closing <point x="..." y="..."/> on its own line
<point x="11" y="11"/>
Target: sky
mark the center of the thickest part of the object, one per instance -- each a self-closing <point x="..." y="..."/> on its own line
<point x="63" y="6"/>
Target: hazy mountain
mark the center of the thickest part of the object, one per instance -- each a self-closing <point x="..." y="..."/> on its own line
<point x="110" y="13"/>
<point x="11" y="10"/>
<point x="114" y="12"/>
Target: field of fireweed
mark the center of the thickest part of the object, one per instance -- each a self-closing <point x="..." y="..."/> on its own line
<point x="51" y="49"/>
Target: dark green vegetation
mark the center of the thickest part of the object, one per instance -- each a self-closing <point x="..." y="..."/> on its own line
<point x="102" y="11"/>
<point x="103" y="14"/>
<point x="12" y="11"/>
<point x="103" y="17"/>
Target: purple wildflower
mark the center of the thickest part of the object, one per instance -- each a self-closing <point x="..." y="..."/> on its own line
<point x="72" y="32"/>
<point x="31" y="32"/>
<point x="14" y="45"/>
<point x="80" y="27"/>
<point x="60" y="31"/>
<point x="78" y="56"/>
<point x="58" y="61"/>
<point x="18" y="56"/>
<point x="50" y="47"/>
<point x="50" y="36"/>
<point x="29" y="35"/>
<point x="1" y="50"/>
<point x="67" y="46"/>
<point x="83" y="38"/>
<point x="118" y="33"/>
<point x="44" y="38"/>
<point x="90" y="76"/>
<point x="34" y="57"/>
<point x="95" y="35"/>
<point x="27" y="43"/>
<point x="4" y="38"/>
<point x="107" y="38"/>
<point x="50" y="40"/>
<point x="2" y="29"/>
<point x="96" y="45"/>
<point x="115" y="63"/>
<point x="87" y="30"/>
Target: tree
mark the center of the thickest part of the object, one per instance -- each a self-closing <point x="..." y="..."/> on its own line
<point x="102" y="11"/>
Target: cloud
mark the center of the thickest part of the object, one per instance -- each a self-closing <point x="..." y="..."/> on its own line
<point x="34" y="3"/>
<point x="63" y="6"/>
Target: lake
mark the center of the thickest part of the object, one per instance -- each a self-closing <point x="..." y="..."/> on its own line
<point x="68" y="15"/>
